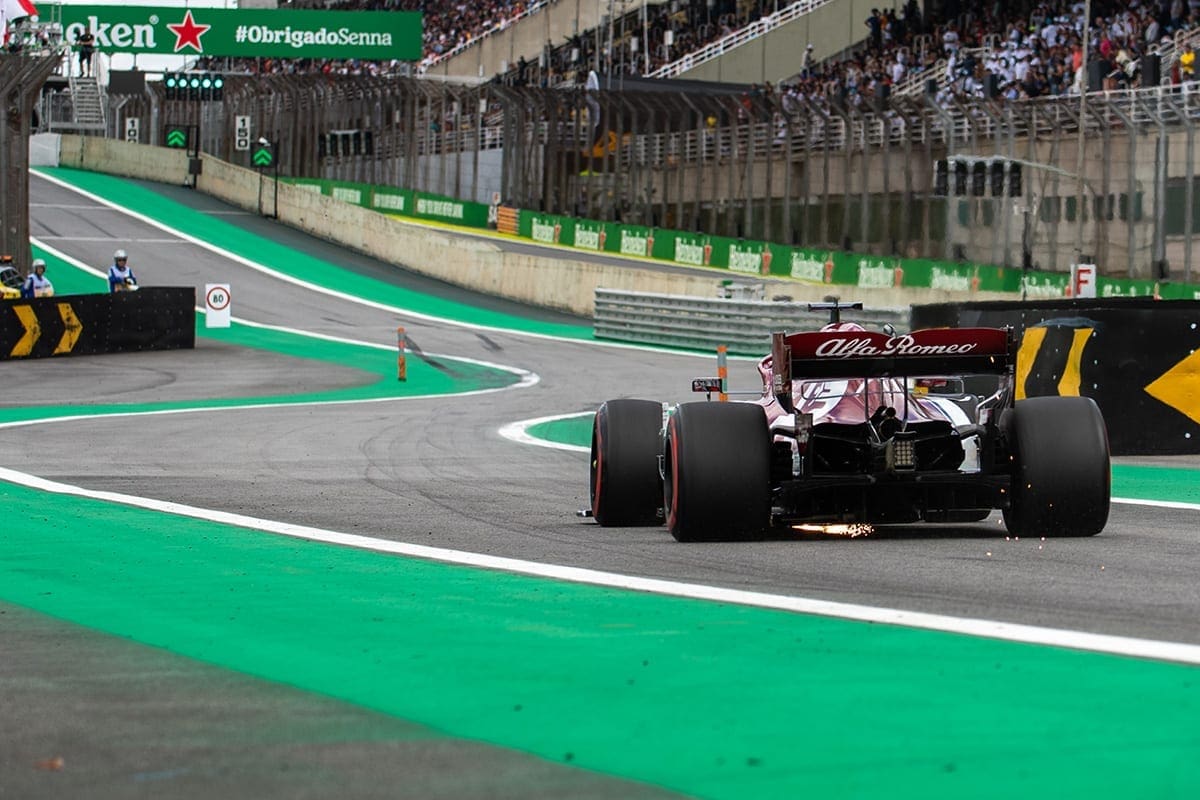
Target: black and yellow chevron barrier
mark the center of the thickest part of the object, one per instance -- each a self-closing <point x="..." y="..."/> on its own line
<point x="153" y="318"/>
<point x="1138" y="358"/>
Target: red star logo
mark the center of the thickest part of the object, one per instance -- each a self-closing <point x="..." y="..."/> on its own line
<point x="188" y="33"/>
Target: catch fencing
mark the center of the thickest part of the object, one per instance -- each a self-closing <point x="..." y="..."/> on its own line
<point x="1110" y="180"/>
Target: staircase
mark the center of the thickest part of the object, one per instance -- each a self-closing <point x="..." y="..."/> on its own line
<point x="87" y="104"/>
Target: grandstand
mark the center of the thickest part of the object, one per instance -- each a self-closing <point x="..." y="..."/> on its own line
<point x="734" y="42"/>
<point x="546" y="43"/>
<point x="827" y="47"/>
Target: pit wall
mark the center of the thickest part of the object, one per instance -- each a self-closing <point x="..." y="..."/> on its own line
<point x="387" y="223"/>
<point x="743" y="259"/>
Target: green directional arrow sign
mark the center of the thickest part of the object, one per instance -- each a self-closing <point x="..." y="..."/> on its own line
<point x="263" y="157"/>
<point x="177" y="137"/>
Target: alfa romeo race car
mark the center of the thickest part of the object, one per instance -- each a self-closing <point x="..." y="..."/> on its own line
<point x="861" y="427"/>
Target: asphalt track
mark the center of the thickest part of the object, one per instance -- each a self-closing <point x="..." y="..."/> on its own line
<point x="134" y="718"/>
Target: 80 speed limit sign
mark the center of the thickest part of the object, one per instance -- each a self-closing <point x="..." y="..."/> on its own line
<point x="216" y="305"/>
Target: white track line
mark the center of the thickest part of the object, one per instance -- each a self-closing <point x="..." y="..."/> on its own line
<point x="526" y="382"/>
<point x="254" y="265"/>
<point x="519" y="432"/>
<point x="265" y="270"/>
<point x="1117" y="645"/>
<point x="1129" y="501"/>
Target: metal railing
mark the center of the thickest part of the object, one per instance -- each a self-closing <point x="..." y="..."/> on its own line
<point x="919" y="83"/>
<point x="720" y="47"/>
<point x="1171" y="51"/>
<point x="915" y="82"/>
<point x="818" y="125"/>
<point x="702" y="323"/>
<point x="503" y="25"/>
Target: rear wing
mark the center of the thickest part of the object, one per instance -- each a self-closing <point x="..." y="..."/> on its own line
<point x="870" y="354"/>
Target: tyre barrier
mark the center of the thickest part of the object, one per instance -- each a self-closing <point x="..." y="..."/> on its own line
<point x="153" y="318"/>
<point x="1139" y="359"/>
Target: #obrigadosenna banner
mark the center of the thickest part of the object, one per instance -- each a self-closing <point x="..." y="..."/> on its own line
<point x="367" y="35"/>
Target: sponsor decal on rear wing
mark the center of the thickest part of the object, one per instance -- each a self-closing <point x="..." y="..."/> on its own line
<point x="870" y="354"/>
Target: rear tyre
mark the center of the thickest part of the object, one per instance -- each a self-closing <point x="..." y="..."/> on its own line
<point x="1062" y="482"/>
<point x="717" y="475"/>
<point x="626" y="486"/>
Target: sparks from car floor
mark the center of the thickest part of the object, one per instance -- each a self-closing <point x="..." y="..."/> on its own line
<point x="852" y="531"/>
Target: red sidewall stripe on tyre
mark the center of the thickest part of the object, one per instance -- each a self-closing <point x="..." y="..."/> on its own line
<point x="597" y="502"/>
<point x="673" y="511"/>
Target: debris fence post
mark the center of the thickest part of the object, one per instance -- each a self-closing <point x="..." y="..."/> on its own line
<point x="401" y="360"/>
<point x="723" y="372"/>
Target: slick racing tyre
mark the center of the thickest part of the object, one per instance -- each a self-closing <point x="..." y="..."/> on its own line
<point x="626" y="443"/>
<point x="1061" y="482"/>
<point x="717" y="476"/>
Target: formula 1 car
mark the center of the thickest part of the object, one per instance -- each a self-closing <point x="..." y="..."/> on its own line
<point x="856" y="426"/>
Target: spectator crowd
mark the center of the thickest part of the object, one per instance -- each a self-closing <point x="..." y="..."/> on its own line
<point x="449" y="24"/>
<point x="995" y="49"/>
<point x="1006" y="50"/>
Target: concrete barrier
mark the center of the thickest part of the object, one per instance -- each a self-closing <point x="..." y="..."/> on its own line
<point x="564" y="283"/>
<point x="129" y="160"/>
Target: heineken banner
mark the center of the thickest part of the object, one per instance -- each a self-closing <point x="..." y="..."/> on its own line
<point x="634" y="240"/>
<point x="547" y="228"/>
<point x="592" y="235"/>
<point x="367" y="35"/>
